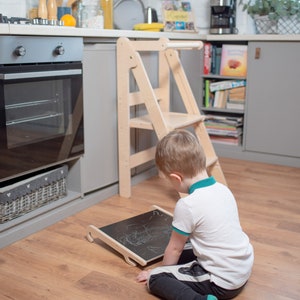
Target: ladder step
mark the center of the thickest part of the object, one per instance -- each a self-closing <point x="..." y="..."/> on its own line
<point x="172" y="119"/>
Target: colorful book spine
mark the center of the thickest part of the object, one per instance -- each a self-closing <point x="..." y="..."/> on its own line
<point x="218" y="60"/>
<point x="207" y="58"/>
<point x="207" y="93"/>
<point x="213" y="59"/>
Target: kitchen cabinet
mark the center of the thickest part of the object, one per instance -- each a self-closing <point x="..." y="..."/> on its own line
<point x="100" y="163"/>
<point x="191" y="62"/>
<point x="273" y="106"/>
<point x="144" y="139"/>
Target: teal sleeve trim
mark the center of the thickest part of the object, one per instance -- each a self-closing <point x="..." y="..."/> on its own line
<point x="180" y="231"/>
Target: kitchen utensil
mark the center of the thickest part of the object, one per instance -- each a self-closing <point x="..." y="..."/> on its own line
<point x="127" y="13"/>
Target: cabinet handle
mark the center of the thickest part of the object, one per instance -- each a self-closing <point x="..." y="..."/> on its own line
<point x="257" y="53"/>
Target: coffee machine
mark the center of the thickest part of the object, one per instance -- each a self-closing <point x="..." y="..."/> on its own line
<point x="222" y="18"/>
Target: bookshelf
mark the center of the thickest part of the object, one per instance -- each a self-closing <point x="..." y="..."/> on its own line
<point x="223" y="96"/>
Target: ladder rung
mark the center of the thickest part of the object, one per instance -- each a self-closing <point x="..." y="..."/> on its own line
<point x="184" y="45"/>
<point x="163" y="44"/>
<point x="141" y="157"/>
<point x="173" y="120"/>
<point x="136" y="98"/>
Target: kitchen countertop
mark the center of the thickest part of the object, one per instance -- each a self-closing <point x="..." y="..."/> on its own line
<point x="14" y="29"/>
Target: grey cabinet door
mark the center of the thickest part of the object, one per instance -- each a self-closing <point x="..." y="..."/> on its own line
<point x="192" y="62"/>
<point x="146" y="138"/>
<point x="273" y="98"/>
<point x="100" y="161"/>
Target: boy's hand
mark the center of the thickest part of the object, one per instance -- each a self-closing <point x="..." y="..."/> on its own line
<point x="143" y="276"/>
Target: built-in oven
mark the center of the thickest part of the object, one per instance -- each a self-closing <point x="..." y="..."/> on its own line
<point x="41" y="105"/>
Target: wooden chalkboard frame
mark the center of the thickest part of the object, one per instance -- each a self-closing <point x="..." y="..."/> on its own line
<point x="157" y="226"/>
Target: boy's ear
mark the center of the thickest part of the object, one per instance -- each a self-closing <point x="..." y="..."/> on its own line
<point x="175" y="176"/>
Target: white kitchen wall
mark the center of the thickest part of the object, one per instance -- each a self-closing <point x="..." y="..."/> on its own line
<point x="200" y="7"/>
<point x="13" y="8"/>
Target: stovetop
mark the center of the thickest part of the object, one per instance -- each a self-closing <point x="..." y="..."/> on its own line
<point x="26" y="21"/>
<point x="14" y="20"/>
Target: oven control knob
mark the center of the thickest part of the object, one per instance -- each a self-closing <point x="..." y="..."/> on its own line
<point x="59" y="50"/>
<point x="20" y="51"/>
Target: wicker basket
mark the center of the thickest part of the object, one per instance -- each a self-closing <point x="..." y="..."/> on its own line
<point x="289" y="25"/>
<point x="283" y="25"/>
<point x="29" y="194"/>
<point x="264" y="25"/>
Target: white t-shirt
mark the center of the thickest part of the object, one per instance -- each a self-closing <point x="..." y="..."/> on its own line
<point x="209" y="216"/>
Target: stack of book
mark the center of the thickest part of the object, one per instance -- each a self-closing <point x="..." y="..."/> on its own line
<point x="228" y="94"/>
<point x="236" y="98"/>
<point x="225" y="129"/>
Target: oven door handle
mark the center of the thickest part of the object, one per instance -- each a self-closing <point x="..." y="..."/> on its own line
<point x="42" y="74"/>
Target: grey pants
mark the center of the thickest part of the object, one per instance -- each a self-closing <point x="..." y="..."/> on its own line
<point x="187" y="282"/>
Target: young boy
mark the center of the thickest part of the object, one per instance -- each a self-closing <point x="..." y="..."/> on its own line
<point x="222" y="256"/>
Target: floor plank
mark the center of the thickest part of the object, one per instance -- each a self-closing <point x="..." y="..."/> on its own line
<point x="59" y="263"/>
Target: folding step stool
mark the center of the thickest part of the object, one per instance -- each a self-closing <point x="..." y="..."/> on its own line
<point x="157" y="104"/>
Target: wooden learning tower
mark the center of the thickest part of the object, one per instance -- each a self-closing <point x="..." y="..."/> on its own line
<point x="156" y="100"/>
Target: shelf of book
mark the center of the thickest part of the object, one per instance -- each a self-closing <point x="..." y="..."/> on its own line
<point x="224" y="94"/>
<point x="207" y="110"/>
<point x="224" y="79"/>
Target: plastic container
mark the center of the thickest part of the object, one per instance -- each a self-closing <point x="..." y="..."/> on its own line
<point x="89" y="14"/>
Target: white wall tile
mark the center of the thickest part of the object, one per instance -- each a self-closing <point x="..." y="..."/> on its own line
<point x="201" y="8"/>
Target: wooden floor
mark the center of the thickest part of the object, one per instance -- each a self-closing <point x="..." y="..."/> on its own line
<point x="59" y="263"/>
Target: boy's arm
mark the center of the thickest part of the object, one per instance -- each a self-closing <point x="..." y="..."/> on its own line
<point x="174" y="248"/>
<point x="171" y="255"/>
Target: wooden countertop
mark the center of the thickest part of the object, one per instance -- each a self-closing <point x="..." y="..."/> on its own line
<point x="14" y="29"/>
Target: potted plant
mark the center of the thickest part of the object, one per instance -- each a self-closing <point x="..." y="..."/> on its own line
<point x="258" y="7"/>
<point x="269" y="14"/>
<point x="263" y="14"/>
<point x="288" y="13"/>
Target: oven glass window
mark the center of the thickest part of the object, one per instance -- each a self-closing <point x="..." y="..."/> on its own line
<point x="37" y="111"/>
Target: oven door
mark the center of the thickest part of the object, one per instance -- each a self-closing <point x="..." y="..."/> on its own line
<point x="41" y="116"/>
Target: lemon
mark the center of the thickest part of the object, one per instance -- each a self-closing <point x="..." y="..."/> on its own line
<point x="68" y="20"/>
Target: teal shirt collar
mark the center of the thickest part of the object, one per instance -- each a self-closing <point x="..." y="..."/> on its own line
<point x="202" y="183"/>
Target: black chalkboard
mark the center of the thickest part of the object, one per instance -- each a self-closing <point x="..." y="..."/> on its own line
<point x="142" y="238"/>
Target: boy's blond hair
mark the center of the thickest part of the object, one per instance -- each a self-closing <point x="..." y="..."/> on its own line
<point x="180" y="151"/>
